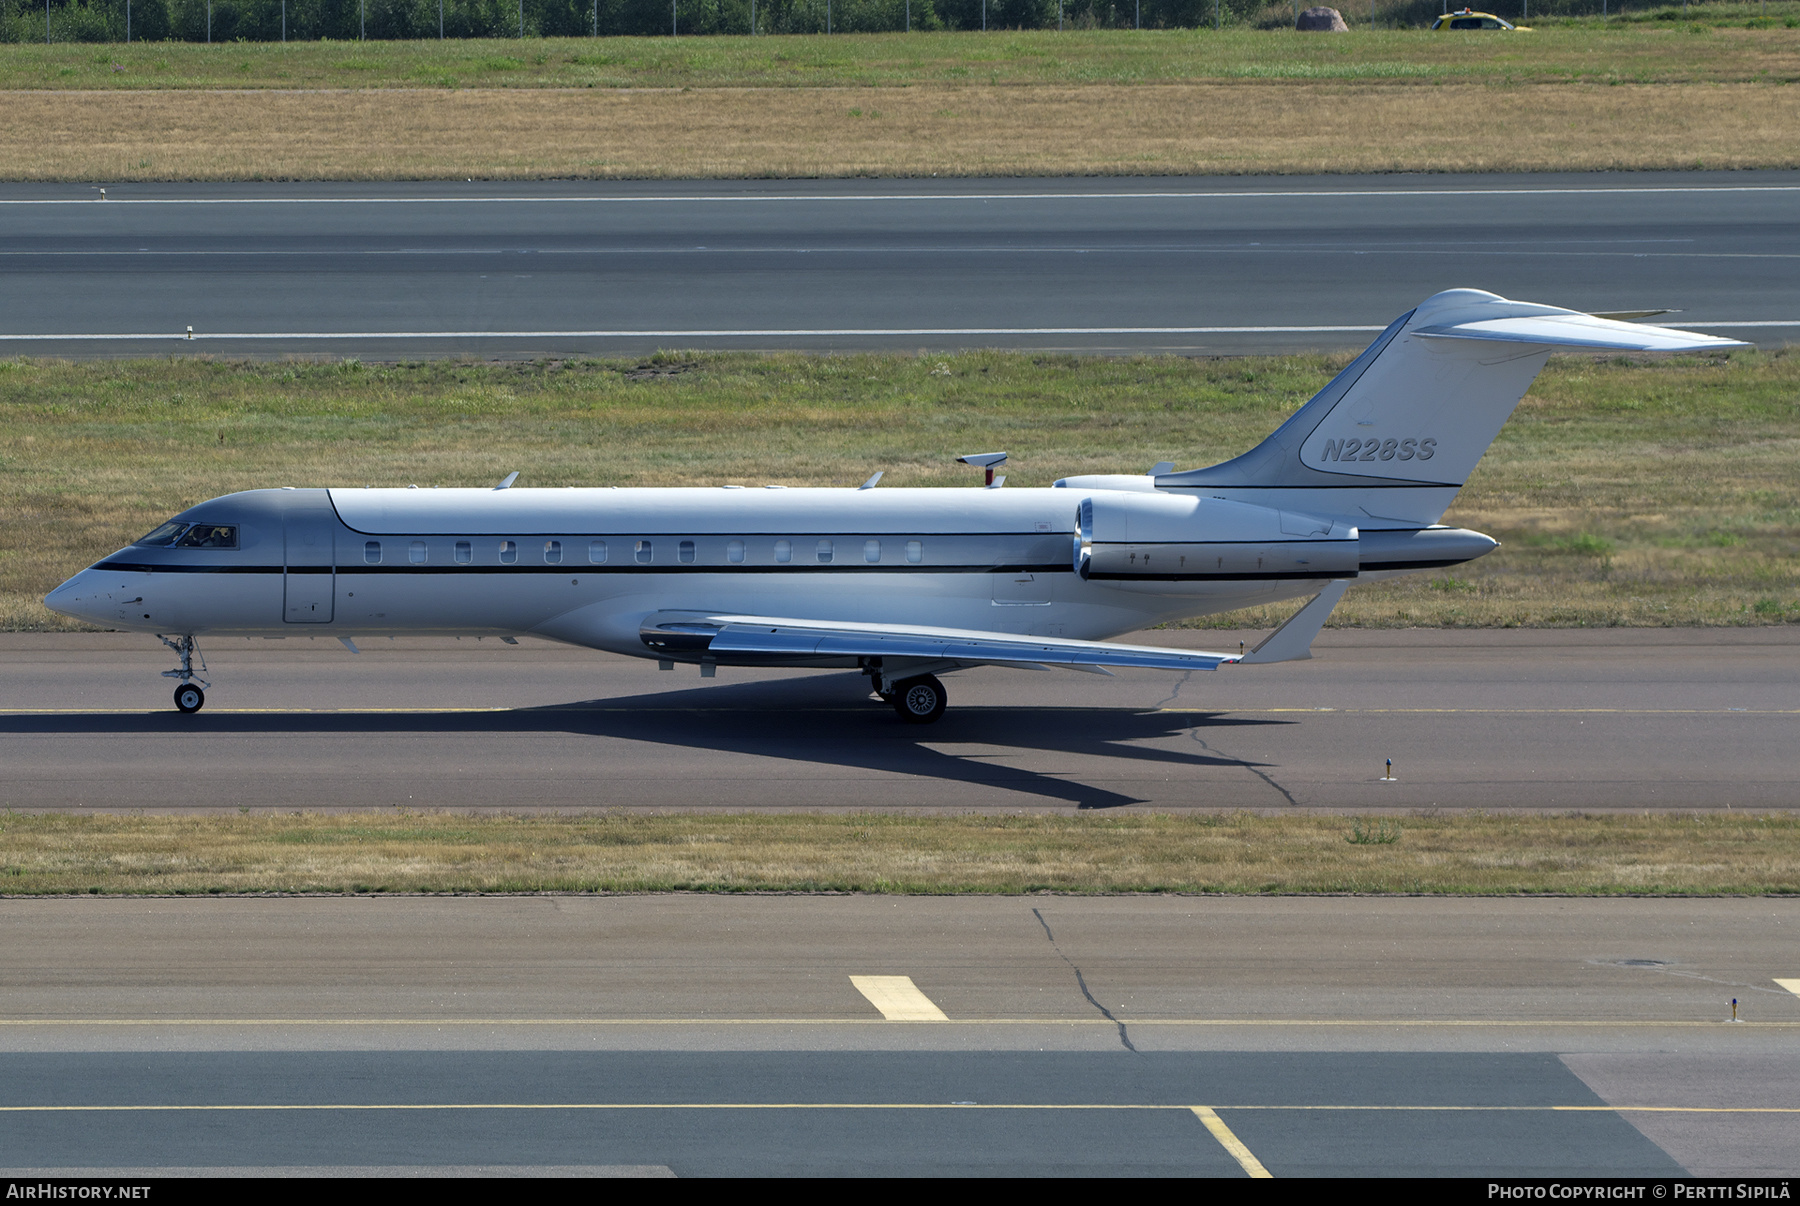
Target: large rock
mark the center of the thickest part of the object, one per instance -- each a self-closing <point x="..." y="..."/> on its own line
<point x="1322" y="20"/>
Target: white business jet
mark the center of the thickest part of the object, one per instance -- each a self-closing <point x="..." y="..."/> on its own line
<point x="903" y="584"/>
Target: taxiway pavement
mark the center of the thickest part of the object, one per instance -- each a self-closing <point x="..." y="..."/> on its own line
<point x="1195" y="265"/>
<point x="729" y="1035"/>
<point x="1526" y="718"/>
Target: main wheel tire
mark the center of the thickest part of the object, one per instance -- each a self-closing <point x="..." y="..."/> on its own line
<point x="189" y="698"/>
<point x="919" y="700"/>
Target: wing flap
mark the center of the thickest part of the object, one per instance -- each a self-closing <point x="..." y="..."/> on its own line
<point x="693" y="633"/>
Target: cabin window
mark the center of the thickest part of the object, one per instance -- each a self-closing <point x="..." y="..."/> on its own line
<point x="686" y="552"/>
<point x="164" y="535"/>
<point x="372" y="552"/>
<point x="597" y="552"/>
<point x="465" y="552"/>
<point x="871" y="551"/>
<point x="509" y="551"/>
<point x="784" y="551"/>
<point x="209" y="536"/>
<point x="643" y="552"/>
<point x="415" y="552"/>
<point x="734" y="552"/>
<point x="915" y="552"/>
<point x="824" y="552"/>
<point x="552" y="552"/>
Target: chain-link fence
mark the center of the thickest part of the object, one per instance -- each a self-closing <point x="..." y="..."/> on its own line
<point x="348" y="20"/>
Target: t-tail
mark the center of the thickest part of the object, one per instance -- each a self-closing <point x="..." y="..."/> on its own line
<point x="1389" y="442"/>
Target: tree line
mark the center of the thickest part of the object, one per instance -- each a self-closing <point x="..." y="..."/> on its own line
<point x="350" y="20"/>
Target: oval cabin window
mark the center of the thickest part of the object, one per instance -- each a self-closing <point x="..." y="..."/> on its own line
<point x="415" y="552"/>
<point x="915" y="552"/>
<point x="372" y="552"/>
<point x="597" y="552"/>
<point x="871" y="551"/>
<point x="643" y="552"/>
<point x="686" y="552"/>
<point x="465" y="552"/>
<point x="509" y="551"/>
<point x="552" y="552"/>
<point x="734" y="552"/>
<point x="824" y="552"/>
<point x="784" y="551"/>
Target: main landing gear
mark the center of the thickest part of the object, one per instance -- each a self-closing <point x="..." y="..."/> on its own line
<point x="918" y="700"/>
<point x="189" y="697"/>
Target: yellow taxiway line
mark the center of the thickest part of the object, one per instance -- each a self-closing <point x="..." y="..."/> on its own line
<point x="1104" y="1023"/>
<point x="527" y="709"/>
<point x="973" y="1106"/>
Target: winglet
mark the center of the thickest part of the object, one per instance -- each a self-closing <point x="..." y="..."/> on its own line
<point x="1292" y="642"/>
<point x="507" y="484"/>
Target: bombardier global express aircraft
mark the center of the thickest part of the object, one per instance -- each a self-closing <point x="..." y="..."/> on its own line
<point x="903" y="584"/>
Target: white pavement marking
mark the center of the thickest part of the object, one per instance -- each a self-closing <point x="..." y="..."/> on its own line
<point x="183" y="337"/>
<point x="1231" y="1143"/>
<point x="1792" y="986"/>
<point x="762" y="333"/>
<point x="898" y="998"/>
<point x="765" y="198"/>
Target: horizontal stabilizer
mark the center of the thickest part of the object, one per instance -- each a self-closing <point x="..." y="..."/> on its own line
<point x="1570" y="329"/>
<point x="714" y="635"/>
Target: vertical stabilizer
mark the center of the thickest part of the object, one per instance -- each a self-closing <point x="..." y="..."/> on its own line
<point x="1392" y="438"/>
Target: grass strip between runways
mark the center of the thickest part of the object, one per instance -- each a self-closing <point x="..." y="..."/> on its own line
<point x="1453" y="854"/>
<point x="1245" y="127"/>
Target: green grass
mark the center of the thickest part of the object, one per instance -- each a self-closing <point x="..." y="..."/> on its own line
<point x="1625" y="491"/>
<point x="1715" y="46"/>
<point x="1240" y="853"/>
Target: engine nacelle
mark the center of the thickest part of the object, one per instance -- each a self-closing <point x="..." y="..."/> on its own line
<point x="1183" y="538"/>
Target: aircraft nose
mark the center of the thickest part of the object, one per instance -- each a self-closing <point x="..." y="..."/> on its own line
<point x="79" y="598"/>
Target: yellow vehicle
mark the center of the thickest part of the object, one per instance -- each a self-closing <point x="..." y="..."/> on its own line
<point x="1468" y="19"/>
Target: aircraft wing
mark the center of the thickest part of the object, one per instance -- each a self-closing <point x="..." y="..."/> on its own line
<point x="691" y="632"/>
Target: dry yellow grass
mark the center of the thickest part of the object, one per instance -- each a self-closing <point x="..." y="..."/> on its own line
<point x="1250" y="127"/>
<point x="888" y="852"/>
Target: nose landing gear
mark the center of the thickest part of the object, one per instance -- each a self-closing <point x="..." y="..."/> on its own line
<point x="189" y="697"/>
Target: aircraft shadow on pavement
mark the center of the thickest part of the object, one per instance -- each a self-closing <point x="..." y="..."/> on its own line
<point x="827" y="720"/>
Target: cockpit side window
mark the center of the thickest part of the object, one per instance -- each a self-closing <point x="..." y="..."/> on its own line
<point x="164" y="535"/>
<point x="209" y="536"/>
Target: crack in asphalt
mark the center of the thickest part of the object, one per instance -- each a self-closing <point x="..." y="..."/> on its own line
<point x="1194" y="733"/>
<point x="1081" y="980"/>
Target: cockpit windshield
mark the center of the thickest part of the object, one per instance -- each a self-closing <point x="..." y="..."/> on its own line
<point x="193" y="536"/>
<point x="164" y="535"/>
<point x="209" y="536"/>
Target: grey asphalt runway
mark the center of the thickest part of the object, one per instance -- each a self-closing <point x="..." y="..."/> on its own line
<point x="1192" y="265"/>
<point x="716" y="1035"/>
<point x="1552" y="719"/>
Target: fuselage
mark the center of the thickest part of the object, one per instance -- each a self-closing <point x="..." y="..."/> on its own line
<point x="586" y="565"/>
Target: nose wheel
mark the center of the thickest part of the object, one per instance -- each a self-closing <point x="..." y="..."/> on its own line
<point x="189" y="697"/>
